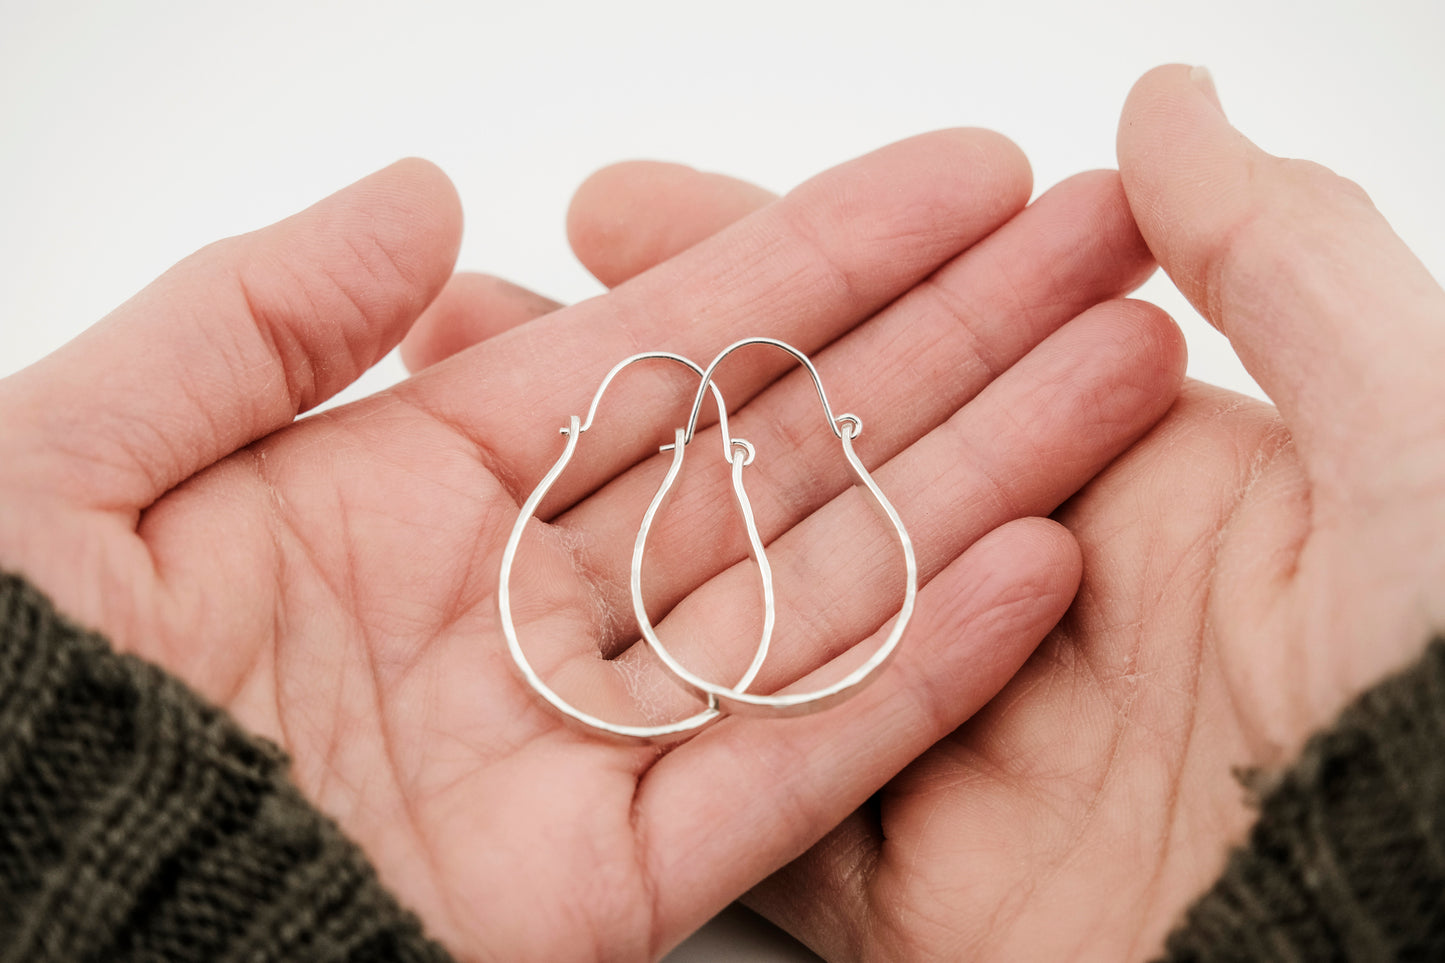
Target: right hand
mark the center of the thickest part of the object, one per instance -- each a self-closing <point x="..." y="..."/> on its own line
<point x="1247" y="571"/>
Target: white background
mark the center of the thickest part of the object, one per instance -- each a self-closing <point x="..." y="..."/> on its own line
<point x="133" y="132"/>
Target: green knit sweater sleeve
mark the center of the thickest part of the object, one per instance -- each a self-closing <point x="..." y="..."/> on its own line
<point x="139" y="823"/>
<point x="1347" y="858"/>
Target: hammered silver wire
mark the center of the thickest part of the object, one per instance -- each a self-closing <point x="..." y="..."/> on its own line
<point x="734" y="699"/>
<point x="738" y="452"/>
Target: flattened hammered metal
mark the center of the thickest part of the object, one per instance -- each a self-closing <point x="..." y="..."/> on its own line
<point x="720" y="699"/>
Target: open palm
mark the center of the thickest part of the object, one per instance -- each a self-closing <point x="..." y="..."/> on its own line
<point x="1246" y="571"/>
<point x="333" y="580"/>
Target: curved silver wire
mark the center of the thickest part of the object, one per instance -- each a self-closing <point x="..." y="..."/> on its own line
<point x="801" y="358"/>
<point x="722" y="411"/>
<point x="665" y="732"/>
<point x="735" y="699"/>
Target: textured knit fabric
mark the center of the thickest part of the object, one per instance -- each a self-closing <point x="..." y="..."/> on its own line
<point x="1347" y="860"/>
<point x="138" y="823"/>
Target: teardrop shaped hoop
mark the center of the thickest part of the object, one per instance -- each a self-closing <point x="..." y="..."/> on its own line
<point x="665" y="732"/>
<point x="734" y="699"/>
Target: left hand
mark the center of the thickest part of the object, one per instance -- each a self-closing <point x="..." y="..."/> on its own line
<point x="332" y="580"/>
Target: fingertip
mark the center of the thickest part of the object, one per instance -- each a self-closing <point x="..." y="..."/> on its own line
<point x="1156" y="79"/>
<point x="630" y="216"/>
<point x="237" y="339"/>
<point x="1033" y="570"/>
<point x="471" y="308"/>
<point x="431" y="185"/>
<point x="609" y="227"/>
<point x="930" y="196"/>
<point x="1058" y="550"/>
<point x="979" y="149"/>
<point x="1168" y="89"/>
<point x="1164" y="104"/>
<point x="413" y="357"/>
<point x="986" y="611"/>
<point x="348" y="276"/>
<point x="989" y="170"/>
<point x="1148" y="382"/>
<point x="1200" y="76"/>
<point x="1180" y="162"/>
<point x="387" y="243"/>
<point x="1145" y="350"/>
<point x="613" y="190"/>
<point x="1121" y="364"/>
<point x="1164" y="349"/>
<point x="992" y="150"/>
<point x="594" y="207"/>
<point x="1098" y="197"/>
<point x="417" y="216"/>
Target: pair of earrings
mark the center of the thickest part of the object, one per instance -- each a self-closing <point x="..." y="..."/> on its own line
<point x="739" y="454"/>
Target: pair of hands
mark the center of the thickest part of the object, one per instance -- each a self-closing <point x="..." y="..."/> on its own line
<point x="331" y="581"/>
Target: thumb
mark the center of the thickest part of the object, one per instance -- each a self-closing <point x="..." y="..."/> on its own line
<point x="1326" y="307"/>
<point x="231" y="344"/>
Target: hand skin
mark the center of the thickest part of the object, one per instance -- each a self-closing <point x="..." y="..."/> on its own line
<point x="1246" y="569"/>
<point x="332" y="580"/>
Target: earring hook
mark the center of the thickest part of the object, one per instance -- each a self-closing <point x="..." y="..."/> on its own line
<point x="655" y="733"/>
<point x="734" y="699"/>
<point x="836" y="423"/>
<point x="722" y="412"/>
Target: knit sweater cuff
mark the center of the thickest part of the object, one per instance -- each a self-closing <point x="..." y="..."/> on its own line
<point x="1347" y="859"/>
<point x="138" y="822"/>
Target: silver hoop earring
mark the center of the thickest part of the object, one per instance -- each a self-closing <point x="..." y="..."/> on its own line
<point x="734" y="699"/>
<point x="739" y="453"/>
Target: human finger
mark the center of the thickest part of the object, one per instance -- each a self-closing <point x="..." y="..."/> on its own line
<point x="747" y="796"/>
<point x="904" y="372"/>
<point x="806" y="269"/>
<point x="1326" y="307"/>
<point x="627" y="217"/>
<point x="623" y="220"/>
<point x="232" y="343"/>
<point x="1027" y="442"/>
<point x="469" y="310"/>
<point x="822" y="896"/>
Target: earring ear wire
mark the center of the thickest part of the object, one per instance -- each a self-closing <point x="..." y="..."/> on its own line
<point x="739" y="453"/>
<point x="732" y="698"/>
<point x="666" y="732"/>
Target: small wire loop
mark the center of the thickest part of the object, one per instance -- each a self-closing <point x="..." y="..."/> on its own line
<point x="665" y="732"/>
<point x="733" y="699"/>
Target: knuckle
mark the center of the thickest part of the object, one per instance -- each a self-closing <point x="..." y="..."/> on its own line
<point x="1316" y="186"/>
<point x="1296" y="227"/>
